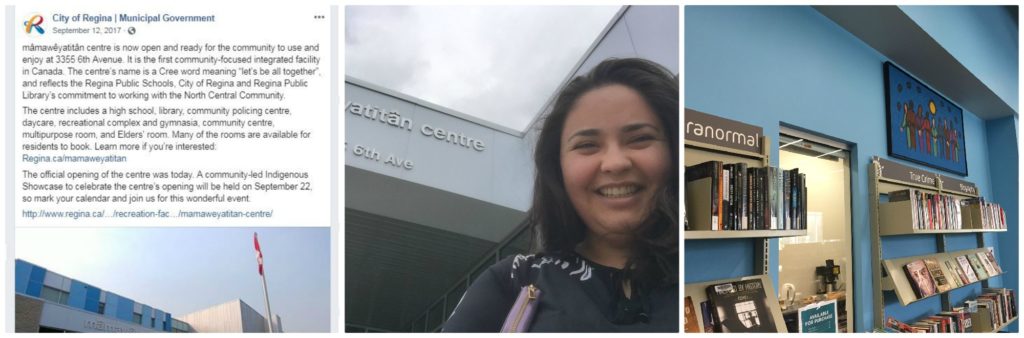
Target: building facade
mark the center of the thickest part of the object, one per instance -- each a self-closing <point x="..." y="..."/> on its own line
<point x="49" y="302"/>
<point x="46" y="301"/>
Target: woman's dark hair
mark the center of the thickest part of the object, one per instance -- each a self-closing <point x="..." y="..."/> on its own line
<point x="554" y="221"/>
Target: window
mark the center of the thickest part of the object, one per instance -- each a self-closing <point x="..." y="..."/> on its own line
<point x="803" y="260"/>
<point x="137" y="318"/>
<point x="54" y="295"/>
<point x="152" y="322"/>
<point x="102" y="309"/>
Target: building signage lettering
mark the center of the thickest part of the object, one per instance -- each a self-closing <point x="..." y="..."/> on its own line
<point x="394" y="119"/>
<point x="723" y="132"/>
<point x="103" y="326"/>
<point x="374" y="155"/>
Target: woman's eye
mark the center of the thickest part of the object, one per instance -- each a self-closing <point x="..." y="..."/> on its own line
<point x="643" y="138"/>
<point x="584" y="145"/>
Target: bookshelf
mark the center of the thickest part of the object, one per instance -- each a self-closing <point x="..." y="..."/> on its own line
<point x="699" y="152"/>
<point x="894" y="279"/>
<point x="893" y="219"/>
<point x="696" y="152"/>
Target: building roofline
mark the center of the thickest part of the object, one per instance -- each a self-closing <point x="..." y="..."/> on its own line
<point x="494" y="126"/>
<point x="92" y="285"/>
<point x="433" y="106"/>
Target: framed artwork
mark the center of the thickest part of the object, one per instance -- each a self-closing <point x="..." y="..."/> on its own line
<point x="924" y="127"/>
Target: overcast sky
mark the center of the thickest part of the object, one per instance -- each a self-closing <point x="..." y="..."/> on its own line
<point x="500" y="64"/>
<point x="182" y="270"/>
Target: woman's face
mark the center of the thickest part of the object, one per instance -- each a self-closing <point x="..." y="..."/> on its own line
<point x="615" y="157"/>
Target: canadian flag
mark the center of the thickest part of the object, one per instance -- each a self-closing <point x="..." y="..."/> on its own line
<point x="259" y="254"/>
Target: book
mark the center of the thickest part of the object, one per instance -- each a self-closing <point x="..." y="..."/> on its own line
<point x="983" y="258"/>
<point x="954" y="268"/>
<point x="706" y="314"/>
<point x="920" y="279"/>
<point x="942" y="284"/>
<point x="690" y="323"/>
<point x="965" y="265"/>
<point x="931" y="211"/>
<point x="702" y="195"/>
<point x="741" y="306"/>
<point x="978" y="268"/>
<point x="729" y="189"/>
<point x="742" y="191"/>
<point x="803" y="198"/>
<point x="897" y="325"/>
<point x="992" y="259"/>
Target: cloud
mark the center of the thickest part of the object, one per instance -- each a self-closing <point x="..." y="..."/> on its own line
<point x="500" y="64"/>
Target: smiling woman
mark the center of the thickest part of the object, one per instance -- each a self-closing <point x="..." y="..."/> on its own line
<point x="604" y="214"/>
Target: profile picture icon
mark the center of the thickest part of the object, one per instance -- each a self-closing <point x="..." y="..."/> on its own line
<point x="36" y="23"/>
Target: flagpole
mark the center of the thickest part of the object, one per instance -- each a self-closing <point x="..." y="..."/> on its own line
<point x="266" y="297"/>
<point x="263" y="276"/>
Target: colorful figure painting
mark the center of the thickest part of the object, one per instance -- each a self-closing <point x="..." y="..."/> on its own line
<point x="924" y="127"/>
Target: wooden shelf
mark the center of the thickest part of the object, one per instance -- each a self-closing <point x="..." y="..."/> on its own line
<point x="698" y="294"/>
<point x="726" y="234"/>
<point x="898" y="282"/>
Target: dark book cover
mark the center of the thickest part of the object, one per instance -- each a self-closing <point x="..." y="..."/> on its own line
<point x="794" y="198"/>
<point x="741" y="196"/>
<point x="803" y="199"/>
<point x="755" y="195"/>
<point x="786" y="191"/>
<point x="900" y="195"/>
<point x="741" y="306"/>
<point x="709" y="319"/>
<point x="780" y="195"/>
<point x="920" y="279"/>
<point x="766" y="220"/>
<point x="727" y="196"/>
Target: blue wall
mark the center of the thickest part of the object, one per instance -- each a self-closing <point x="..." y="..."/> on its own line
<point x="979" y="37"/>
<point x="28" y="280"/>
<point x="1004" y="161"/>
<point x="782" y="64"/>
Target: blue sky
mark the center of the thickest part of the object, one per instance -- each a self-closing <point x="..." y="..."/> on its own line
<point x="182" y="270"/>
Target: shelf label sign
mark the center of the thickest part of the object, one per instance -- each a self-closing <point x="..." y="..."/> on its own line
<point x="899" y="172"/>
<point x="952" y="184"/>
<point x="821" y="317"/>
<point x="710" y="129"/>
<point x="895" y="171"/>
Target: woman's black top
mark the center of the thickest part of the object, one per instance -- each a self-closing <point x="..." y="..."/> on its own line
<point x="578" y="296"/>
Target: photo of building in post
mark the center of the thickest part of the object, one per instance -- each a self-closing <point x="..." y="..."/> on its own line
<point x="61" y="287"/>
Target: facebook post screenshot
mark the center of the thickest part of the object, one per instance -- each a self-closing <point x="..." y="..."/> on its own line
<point x="169" y="168"/>
<point x="170" y="116"/>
